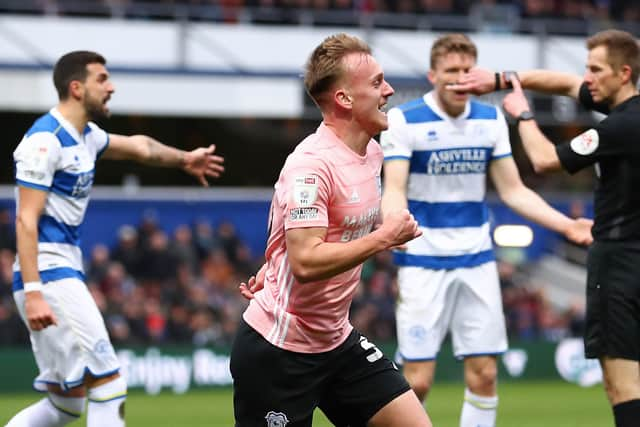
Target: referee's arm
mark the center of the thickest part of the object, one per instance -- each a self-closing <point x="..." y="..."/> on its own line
<point x="541" y="152"/>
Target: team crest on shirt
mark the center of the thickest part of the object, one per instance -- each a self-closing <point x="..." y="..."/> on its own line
<point x="585" y="143"/>
<point x="305" y="190"/>
<point x="276" y="419"/>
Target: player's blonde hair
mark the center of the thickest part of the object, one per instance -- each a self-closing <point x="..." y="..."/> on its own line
<point x="452" y="43"/>
<point x="622" y="49"/>
<point x="326" y="66"/>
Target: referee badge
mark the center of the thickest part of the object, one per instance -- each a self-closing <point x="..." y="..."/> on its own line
<point x="585" y="143"/>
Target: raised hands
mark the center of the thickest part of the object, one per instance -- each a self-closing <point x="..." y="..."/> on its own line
<point x="202" y="163"/>
<point x="477" y="81"/>
<point x="515" y="103"/>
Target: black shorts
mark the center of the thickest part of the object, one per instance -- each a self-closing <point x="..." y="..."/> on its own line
<point x="613" y="300"/>
<point x="274" y="387"/>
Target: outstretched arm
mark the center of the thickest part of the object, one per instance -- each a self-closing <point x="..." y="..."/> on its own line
<point x="201" y="162"/>
<point x="481" y="80"/>
<point x="530" y="205"/>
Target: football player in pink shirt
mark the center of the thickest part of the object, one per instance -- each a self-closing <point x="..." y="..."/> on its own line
<point x="295" y="349"/>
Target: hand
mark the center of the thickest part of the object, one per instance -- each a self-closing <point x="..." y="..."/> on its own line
<point x="253" y="285"/>
<point x="38" y="311"/>
<point x="580" y="231"/>
<point x="398" y="228"/>
<point x="477" y="81"/>
<point x="202" y="163"/>
<point x="515" y="102"/>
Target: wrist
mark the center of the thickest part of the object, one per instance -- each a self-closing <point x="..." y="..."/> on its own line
<point x="525" y="116"/>
<point x="184" y="159"/>
<point x="35" y="286"/>
<point x="380" y="239"/>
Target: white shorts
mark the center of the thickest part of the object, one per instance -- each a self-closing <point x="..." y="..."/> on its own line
<point x="466" y="301"/>
<point x="78" y="345"/>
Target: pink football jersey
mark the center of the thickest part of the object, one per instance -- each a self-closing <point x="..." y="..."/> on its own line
<point x="322" y="184"/>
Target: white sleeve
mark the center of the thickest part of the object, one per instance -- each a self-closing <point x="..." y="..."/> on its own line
<point x="99" y="139"/>
<point x="396" y="141"/>
<point x="36" y="160"/>
<point x="502" y="147"/>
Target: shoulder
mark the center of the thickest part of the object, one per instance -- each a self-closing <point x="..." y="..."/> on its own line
<point x="92" y="127"/>
<point x="414" y="111"/>
<point x="312" y="154"/>
<point x="482" y="111"/>
<point x="374" y="149"/>
<point x="96" y="133"/>
<point x="44" y="124"/>
<point x="41" y="135"/>
<point x="619" y="123"/>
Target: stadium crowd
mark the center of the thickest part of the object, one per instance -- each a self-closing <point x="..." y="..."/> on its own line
<point x="233" y="10"/>
<point x="156" y="288"/>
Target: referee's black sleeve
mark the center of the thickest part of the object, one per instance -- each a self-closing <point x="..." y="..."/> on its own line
<point x="570" y="161"/>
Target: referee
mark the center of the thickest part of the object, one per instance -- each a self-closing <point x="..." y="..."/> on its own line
<point x="609" y="86"/>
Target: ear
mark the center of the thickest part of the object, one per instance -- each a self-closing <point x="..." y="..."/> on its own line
<point x="76" y="89"/>
<point x="343" y="99"/>
<point x="431" y="76"/>
<point x="625" y="73"/>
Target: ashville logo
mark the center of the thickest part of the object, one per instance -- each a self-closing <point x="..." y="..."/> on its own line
<point x="154" y="371"/>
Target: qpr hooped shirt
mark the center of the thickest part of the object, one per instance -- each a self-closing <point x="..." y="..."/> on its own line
<point x="55" y="158"/>
<point x="322" y="184"/>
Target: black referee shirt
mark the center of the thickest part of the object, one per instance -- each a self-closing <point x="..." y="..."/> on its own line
<point x="613" y="147"/>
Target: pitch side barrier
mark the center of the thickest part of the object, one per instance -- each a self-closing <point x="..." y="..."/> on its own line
<point x="180" y="369"/>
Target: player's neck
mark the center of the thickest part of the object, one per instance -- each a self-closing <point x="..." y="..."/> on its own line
<point x="351" y="135"/>
<point x="449" y="110"/>
<point x="74" y="114"/>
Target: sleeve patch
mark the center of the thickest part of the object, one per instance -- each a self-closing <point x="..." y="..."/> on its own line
<point x="303" y="214"/>
<point x="585" y="143"/>
<point x="305" y="190"/>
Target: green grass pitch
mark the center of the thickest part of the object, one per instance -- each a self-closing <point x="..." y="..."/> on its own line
<point x="522" y="404"/>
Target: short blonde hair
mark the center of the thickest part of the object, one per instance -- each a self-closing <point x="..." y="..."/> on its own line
<point x="325" y="65"/>
<point x="452" y="43"/>
<point x="622" y="49"/>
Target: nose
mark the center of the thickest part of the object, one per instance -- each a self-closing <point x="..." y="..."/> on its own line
<point x="389" y="89"/>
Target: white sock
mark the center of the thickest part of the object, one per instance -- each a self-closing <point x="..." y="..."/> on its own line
<point x="52" y="411"/>
<point x="478" y="411"/>
<point x="106" y="404"/>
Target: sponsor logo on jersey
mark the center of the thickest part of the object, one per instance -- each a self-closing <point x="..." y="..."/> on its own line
<point x="305" y="190"/>
<point x="276" y="419"/>
<point x="355" y="197"/>
<point x="303" y="214"/>
<point x="83" y="185"/>
<point x="585" y="143"/>
<point x="457" y="161"/>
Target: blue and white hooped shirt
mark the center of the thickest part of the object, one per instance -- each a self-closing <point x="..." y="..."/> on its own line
<point x="53" y="157"/>
<point x="448" y="163"/>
